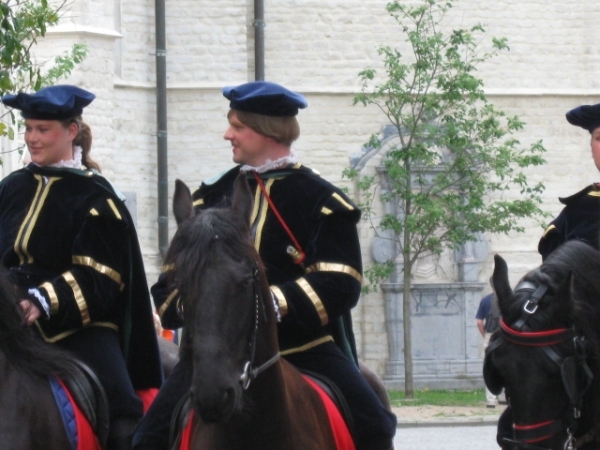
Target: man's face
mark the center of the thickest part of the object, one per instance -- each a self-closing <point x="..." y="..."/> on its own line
<point x="249" y="147"/>
<point x="596" y="147"/>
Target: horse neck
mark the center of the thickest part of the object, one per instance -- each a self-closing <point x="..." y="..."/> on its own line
<point x="271" y="401"/>
<point x="270" y="385"/>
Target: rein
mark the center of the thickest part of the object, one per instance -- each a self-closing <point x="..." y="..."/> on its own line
<point x="250" y="372"/>
<point x="526" y="436"/>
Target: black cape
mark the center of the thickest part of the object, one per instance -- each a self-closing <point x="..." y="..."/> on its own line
<point x="579" y="220"/>
<point x="67" y="233"/>
<point x="316" y="295"/>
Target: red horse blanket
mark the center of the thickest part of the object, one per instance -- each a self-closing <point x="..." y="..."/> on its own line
<point x="340" y="430"/>
<point x="78" y="428"/>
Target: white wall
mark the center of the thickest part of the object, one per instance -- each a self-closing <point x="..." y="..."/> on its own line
<point x="318" y="47"/>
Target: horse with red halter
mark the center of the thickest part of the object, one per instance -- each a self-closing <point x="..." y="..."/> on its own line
<point x="48" y="399"/>
<point x="546" y="354"/>
<point x="243" y="395"/>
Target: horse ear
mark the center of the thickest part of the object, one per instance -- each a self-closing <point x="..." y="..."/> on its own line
<point x="183" y="207"/>
<point x="242" y="202"/>
<point x="500" y="282"/>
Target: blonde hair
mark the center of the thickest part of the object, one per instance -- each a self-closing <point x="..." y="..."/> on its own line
<point x="83" y="140"/>
<point x="283" y="129"/>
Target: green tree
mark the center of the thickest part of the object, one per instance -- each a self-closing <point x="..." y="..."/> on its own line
<point x="455" y="170"/>
<point x="22" y="22"/>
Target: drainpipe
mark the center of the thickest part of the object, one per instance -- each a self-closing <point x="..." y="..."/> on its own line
<point x="259" y="40"/>
<point x="161" y="129"/>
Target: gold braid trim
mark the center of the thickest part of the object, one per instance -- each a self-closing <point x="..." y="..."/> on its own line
<point x="308" y="346"/>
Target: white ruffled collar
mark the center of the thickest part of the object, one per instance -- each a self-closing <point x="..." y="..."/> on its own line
<point x="270" y="165"/>
<point x="74" y="163"/>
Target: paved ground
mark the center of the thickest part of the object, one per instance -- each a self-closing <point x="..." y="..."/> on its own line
<point x="409" y="416"/>
<point x="479" y="437"/>
<point x="446" y="427"/>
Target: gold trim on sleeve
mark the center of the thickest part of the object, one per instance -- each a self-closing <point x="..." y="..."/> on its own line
<point x="314" y="298"/>
<point x="334" y="267"/>
<point x="114" y="208"/>
<point x="52" y="296"/>
<point x="281" y="300"/>
<point x="94" y="212"/>
<point x="326" y="211"/>
<point x="594" y="194"/>
<point x="167" y="267"/>
<point x="104" y="270"/>
<point x="198" y="202"/>
<point x="81" y="304"/>
<point x="339" y="198"/>
<point x="548" y="230"/>
<point x="167" y="302"/>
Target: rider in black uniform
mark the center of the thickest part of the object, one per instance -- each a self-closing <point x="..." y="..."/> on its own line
<point x="314" y="267"/>
<point x="71" y="249"/>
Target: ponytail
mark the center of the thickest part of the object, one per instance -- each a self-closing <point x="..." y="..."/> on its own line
<point x="83" y="140"/>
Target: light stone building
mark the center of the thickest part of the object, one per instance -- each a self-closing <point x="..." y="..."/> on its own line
<point x="317" y="47"/>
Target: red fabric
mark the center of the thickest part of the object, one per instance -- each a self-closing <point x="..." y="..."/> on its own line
<point x="341" y="434"/>
<point x="86" y="439"/>
<point x="147" y="396"/>
<point x="186" y="435"/>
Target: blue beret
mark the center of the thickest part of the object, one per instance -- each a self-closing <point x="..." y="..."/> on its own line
<point x="51" y="103"/>
<point x="263" y="97"/>
<point x="585" y="116"/>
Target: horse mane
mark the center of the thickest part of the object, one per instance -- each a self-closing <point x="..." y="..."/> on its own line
<point x="25" y="350"/>
<point x="200" y="237"/>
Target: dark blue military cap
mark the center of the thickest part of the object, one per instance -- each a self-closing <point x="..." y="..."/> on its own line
<point x="51" y="103"/>
<point x="264" y="97"/>
<point x="585" y="116"/>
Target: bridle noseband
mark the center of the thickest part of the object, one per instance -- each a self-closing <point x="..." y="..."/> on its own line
<point x="526" y="436"/>
<point x="250" y="372"/>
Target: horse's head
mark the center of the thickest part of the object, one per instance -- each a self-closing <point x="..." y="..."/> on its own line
<point x="230" y="318"/>
<point x="541" y="354"/>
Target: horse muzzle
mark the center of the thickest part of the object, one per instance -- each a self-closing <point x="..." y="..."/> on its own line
<point x="216" y="405"/>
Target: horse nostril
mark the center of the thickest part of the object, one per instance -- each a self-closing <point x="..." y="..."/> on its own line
<point x="229" y="398"/>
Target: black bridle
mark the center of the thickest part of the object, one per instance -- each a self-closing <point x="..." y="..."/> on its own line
<point x="527" y="435"/>
<point x="250" y="372"/>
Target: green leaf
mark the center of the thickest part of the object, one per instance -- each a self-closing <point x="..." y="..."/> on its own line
<point x="454" y="152"/>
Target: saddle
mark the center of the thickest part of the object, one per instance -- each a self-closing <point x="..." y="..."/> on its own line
<point x="87" y="392"/>
<point x="334" y="394"/>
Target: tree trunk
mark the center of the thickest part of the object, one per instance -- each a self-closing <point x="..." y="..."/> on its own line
<point x="406" y="314"/>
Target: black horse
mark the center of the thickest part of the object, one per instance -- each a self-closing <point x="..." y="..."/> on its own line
<point x="243" y="395"/>
<point x="33" y="375"/>
<point x="546" y="354"/>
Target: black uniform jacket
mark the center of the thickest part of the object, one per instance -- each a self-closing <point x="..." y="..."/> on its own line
<point x="67" y="233"/>
<point x="579" y="219"/>
<point x="326" y="285"/>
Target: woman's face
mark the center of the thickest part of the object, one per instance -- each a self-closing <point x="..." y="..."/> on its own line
<point x="596" y="147"/>
<point x="48" y="141"/>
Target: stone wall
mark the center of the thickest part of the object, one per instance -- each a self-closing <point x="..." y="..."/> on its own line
<point x="318" y="47"/>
